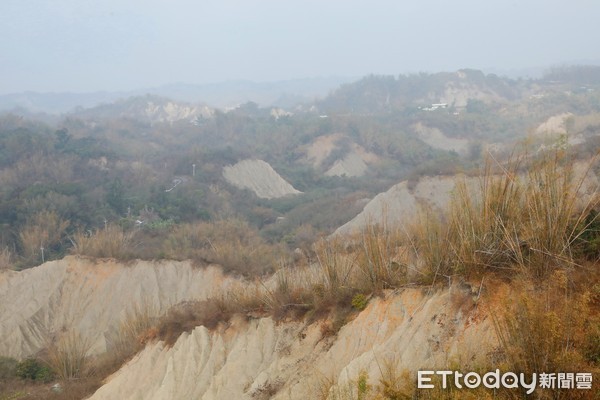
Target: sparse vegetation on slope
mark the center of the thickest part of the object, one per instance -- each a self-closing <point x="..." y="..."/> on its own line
<point x="103" y="166"/>
<point x="482" y="236"/>
<point x="107" y="186"/>
<point x="528" y="218"/>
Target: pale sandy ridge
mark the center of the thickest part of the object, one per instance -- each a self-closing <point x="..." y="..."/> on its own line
<point x="399" y="205"/>
<point x="438" y="140"/>
<point x="352" y="164"/>
<point x="92" y="298"/>
<point x="259" y="177"/>
<point x="261" y="359"/>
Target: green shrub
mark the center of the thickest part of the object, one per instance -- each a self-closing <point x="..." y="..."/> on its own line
<point x="588" y="243"/>
<point x="362" y="385"/>
<point x="360" y="302"/>
<point x="8" y="367"/>
<point x="34" y="370"/>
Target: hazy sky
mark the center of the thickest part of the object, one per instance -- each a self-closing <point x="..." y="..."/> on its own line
<point x="89" y="45"/>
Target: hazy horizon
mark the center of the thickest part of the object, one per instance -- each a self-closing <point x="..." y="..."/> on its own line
<point x="84" y="46"/>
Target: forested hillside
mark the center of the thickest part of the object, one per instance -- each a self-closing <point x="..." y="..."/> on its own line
<point x="149" y="167"/>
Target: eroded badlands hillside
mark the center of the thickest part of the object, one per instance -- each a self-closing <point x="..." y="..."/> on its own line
<point x="91" y="298"/>
<point x="261" y="359"/>
<point x="259" y="177"/>
<point x="246" y="357"/>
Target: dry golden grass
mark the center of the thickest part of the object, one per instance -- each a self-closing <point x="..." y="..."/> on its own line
<point x="524" y="223"/>
<point x="549" y="328"/>
<point x="185" y="317"/>
<point x="379" y="260"/>
<point x="68" y="356"/>
<point x="110" y="242"/>
<point x="43" y="230"/>
<point x="513" y="221"/>
<point x="521" y="223"/>
<point x="130" y="335"/>
<point x="309" y="289"/>
<point x="335" y="265"/>
<point x="554" y="213"/>
<point x="6" y="259"/>
<point x="232" y="244"/>
<point x="427" y="237"/>
<point x="478" y="221"/>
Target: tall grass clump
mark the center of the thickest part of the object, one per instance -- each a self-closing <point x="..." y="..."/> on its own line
<point x="110" y="242"/>
<point x="427" y="237"/>
<point x="378" y="258"/>
<point x="6" y="259"/>
<point x="335" y="266"/>
<point x="129" y="336"/>
<point x="524" y="215"/>
<point x="288" y="295"/>
<point x="556" y="212"/>
<point x="482" y="217"/>
<point x="356" y="389"/>
<point x="68" y="357"/>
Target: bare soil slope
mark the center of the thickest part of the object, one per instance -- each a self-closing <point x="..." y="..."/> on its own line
<point x="259" y="177"/>
<point x="91" y="298"/>
<point x="400" y="204"/>
<point x="261" y="359"/>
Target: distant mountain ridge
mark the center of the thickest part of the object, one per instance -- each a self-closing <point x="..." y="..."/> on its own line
<point x="385" y="93"/>
<point x="221" y="95"/>
<point x="366" y="95"/>
<point x="148" y="108"/>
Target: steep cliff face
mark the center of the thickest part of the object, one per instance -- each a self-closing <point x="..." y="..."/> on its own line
<point x="92" y="298"/>
<point x="260" y="359"/>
